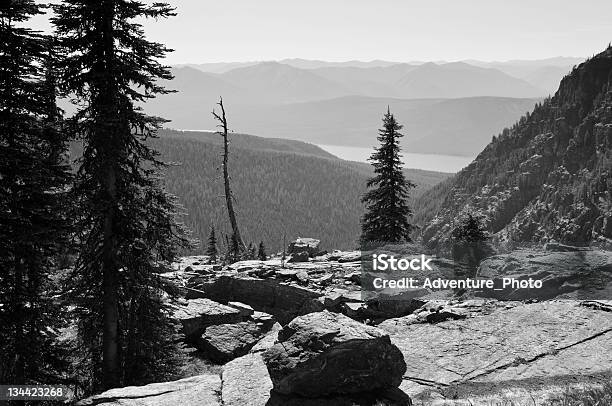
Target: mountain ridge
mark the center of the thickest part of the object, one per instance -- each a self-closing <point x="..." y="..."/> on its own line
<point x="548" y="177"/>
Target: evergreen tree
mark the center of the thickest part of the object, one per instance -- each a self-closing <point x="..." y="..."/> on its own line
<point x="33" y="182"/>
<point x="469" y="246"/>
<point x="127" y="220"/>
<point x="387" y="213"/>
<point x="470" y="229"/>
<point x="261" y="253"/>
<point x="212" y="251"/>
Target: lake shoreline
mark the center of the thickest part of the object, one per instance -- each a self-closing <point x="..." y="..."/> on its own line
<point x="428" y="162"/>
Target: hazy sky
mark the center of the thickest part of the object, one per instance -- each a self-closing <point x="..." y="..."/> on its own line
<point x="398" y="30"/>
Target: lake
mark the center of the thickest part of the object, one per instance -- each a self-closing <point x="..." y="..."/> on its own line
<point x="429" y="162"/>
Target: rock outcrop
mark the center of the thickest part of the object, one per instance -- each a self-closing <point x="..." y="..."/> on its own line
<point x="282" y="300"/>
<point x="301" y="256"/>
<point x="201" y="313"/>
<point x="567" y="272"/>
<point x="322" y="354"/>
<point x="307" y="245"/>
<point x="225" y="342"/>
<point x="527" y="349"/>
<point x="194" y="391"/>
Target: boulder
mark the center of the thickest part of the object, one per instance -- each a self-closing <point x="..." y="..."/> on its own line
<point x="286" y="273"/>
<point x="308" y="245"/>
<point x="352" y="256"/>
<point x="322" y="354"/>
<point x="264" y="318"/>
<point x="246" y="383"/>
<point x="245" y="310"/>
<point x="334" y="255"/>
<point x="302" y="278"/>
<point x="194" y="391"/>
<point x="201" y="313"/>
<point x="355" y="310"/>
<point x="247" y="265"/>
<point x="354" y="277"/>
<point x="268" y="340"/>
<point x="334" y="298"/>
<point x="325" y="279"/>
<point x="224" y="342"/>
<point x="301" y="256"/>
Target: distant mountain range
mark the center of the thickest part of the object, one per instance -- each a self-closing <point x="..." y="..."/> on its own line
<point x="440" y="126"/>
<point x="547" y="178"/>
<point x="528" y="70"/>
<point x="454" y="109"/>
<point x="275" y="83"/>
<point x="446" y="108"/>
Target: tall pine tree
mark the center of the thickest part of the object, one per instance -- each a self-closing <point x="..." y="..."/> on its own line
<point x="33" y="181"/>
<point x="127" y="220"/>
<point x="387" y="213"/>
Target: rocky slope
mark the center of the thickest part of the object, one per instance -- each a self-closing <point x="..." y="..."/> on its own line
<point x="549" y="177"/>
<point x="304" y="334"/>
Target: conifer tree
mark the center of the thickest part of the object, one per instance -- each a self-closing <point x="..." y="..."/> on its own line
<point x="127" y="220"/>
<point x="387" y="213"/>
<point x="469" y="245"/>
<point x="470" y="229"/>
<point x="212" y="251"/>
<point x="261" y="253"/>
<point x="33" y="181"/>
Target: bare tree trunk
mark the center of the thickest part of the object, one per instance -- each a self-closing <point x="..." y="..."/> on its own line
<point x="228" y="191"/>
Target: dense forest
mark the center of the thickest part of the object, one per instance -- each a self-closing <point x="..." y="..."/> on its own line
<point x="281" y="188"/>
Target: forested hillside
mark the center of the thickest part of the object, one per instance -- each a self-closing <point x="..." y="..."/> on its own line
<point x="281" y="187"/>
<point x="547" y="177"/>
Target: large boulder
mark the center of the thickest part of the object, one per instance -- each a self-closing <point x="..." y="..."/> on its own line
<point x="225" y="342"/>
<point x="309" y="245"/>
<point x="325" y="353"/>
<point x="301" y="256"/>
<point x="201" y="313"/>
<point x="194" y="391"/>
<point x="246" y="383"/>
